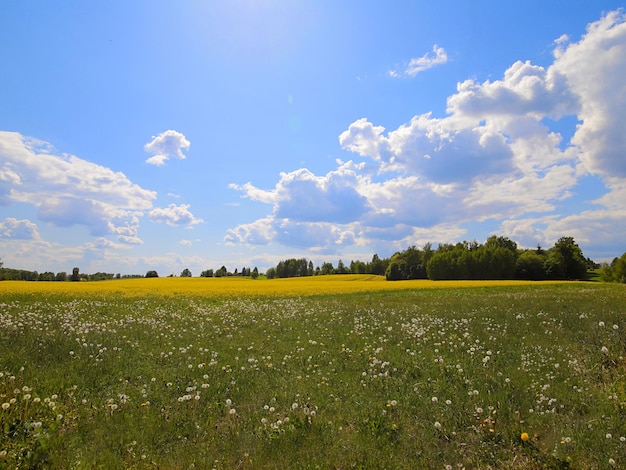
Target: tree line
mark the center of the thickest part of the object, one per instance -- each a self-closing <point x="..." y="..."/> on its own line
<point x="10" y="274"/>
<point x="497" y="258"/>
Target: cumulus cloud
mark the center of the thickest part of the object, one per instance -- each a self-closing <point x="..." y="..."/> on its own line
<point x="67" y="190"/>
<point x="493" y="156"/>
<point x="595" y="69"/>
<point x="420" y="64"/>
<point x="166" y="145"/>
<point x="174" y="215"/>
<point x="18" y="229"/>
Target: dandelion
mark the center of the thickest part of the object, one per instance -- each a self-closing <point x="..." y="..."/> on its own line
<point x="434" y="399"/>
<point x="5" y="406"/>
<point x="232" y="411"/>
<point x="605" y="350"/>
<point x="609" y="435"/>
<point x="612" y="462"/>
<point x="616" y="327"/>
<point x="437" y="425"/>
<point x="601" y="324"/>
<point x="229" y="402"/>
<point x="524" y="436"/>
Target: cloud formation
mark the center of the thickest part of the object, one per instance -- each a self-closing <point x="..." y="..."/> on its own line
<point x="67" y="190"/>
<point x="420" y="64"/>
<point x="174" y="215"/>
<point x="498" y="154"/>
<point x="166" y="145"/>
<point x="15" y="229"/>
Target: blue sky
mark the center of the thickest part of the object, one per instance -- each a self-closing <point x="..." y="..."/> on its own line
<point x="140" y="135"/>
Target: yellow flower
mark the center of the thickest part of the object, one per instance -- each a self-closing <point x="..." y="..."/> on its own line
<point x="524" y="436"/>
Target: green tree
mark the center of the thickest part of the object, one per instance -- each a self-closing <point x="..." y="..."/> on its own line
<point x="185" y="273"/>
<point x="152" y="273"/>
<point x="75" y="275"/>
<point x="614" y="272"/>
<point x="327" y="268"/>
<point x="530" y="266"/>
<point x="572" y="261"/>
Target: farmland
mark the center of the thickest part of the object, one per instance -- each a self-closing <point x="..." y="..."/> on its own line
<point x="329" y="372"/>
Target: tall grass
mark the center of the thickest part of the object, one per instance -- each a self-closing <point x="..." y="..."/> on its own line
<point x="414" y="378"/>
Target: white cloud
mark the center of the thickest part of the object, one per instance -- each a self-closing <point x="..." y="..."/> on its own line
<point x="185" y="243"/>
<point x="18" y="229"/>
<point x="493" y="156"/>
<point x="166" y="145"/>
<point x="174" y="215"/>
<point x="420" y="64"/>
<point x="595" y="69"/>
<point x="525" y="90"/>
<point x="260" y="232"/>
<point x="67" y="190"/>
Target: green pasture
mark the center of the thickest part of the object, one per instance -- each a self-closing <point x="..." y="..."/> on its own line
<point x="434" y="378"/>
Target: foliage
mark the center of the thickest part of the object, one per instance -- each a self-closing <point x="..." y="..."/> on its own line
<point x="417" y="378"/>
<point x="616" y="271"/>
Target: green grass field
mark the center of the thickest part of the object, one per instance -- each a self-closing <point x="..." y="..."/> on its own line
<point x="515" y="376"/>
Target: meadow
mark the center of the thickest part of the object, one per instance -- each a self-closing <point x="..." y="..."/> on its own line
<point x="331" y="372"/>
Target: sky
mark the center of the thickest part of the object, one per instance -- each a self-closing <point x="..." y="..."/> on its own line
<point x="150" y="134"/>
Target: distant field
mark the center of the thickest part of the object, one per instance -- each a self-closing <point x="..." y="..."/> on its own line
<point x="179" y="373"/>
<point x="242" y="286"/>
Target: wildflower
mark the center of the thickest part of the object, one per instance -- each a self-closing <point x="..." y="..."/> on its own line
<point x="5" y="406"/>
<point x="605" y="350"/>
<point x="612" y="462"/>
<point x="229" y="402"/>
<point x="434" y="399"/>
<point x="616" y="327"/>
<point x="232" y="411"/>
<point x="601" y="324"/>
<point x="524" y="436"/>
<point x="437" y="425"/>
<point x="608" y="435"/>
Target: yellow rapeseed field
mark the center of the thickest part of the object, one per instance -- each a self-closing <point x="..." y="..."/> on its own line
<point x="238" y="286"/>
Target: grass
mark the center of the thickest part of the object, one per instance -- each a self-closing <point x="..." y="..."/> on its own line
<point x="312" y="373"/>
